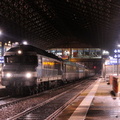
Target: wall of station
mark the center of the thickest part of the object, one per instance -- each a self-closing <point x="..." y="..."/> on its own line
<point x="89" y="57"/>
<point x="85" y="53"/>
<point x="111" y="66"/>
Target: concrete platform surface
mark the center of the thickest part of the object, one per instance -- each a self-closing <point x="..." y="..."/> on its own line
<point x="95" y="103"/>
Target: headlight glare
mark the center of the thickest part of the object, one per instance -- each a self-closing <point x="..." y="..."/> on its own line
<point x="28" y="75"/>
<point x="8" y="75"/>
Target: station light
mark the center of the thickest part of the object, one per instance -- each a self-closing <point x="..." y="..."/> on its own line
<point x="118" y="45"/>
<point x="25" y="42"/>
<point x="0" y="32"/>
<point x="105" y="52"/>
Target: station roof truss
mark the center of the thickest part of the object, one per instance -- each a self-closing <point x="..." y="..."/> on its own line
<point x="61" y="23"/>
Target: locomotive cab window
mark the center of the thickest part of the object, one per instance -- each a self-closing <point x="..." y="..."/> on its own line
<point x="11" y="59"/>
<point x="28" y="59"/>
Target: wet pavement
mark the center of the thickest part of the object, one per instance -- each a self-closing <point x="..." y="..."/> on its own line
<point x="104" y="105"/>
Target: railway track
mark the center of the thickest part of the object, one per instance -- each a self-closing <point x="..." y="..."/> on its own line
<point x="5" y="97"/>
<point x="72" y="92"/>
<point x="8" y="100"/>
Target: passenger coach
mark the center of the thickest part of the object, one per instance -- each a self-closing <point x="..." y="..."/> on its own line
<point x="29" y="68"/>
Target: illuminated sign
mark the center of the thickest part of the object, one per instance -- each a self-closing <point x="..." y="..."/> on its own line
<point x="1" y="59"/>
<point x="111" y="62"/>
<point x="117" y="53"/>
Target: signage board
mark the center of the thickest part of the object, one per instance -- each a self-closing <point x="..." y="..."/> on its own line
<point x="1" y="59"/>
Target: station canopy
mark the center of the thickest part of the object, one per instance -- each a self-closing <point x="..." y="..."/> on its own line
<point x="61" y="23"/>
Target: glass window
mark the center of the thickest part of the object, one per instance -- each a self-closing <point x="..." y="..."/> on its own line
<point x="21" y="59"/>
<point x="80" y="53"/>
<point x="95" y="53"/>
<point x="75" y="53"/>
<point x="48" y="63"/>
<point x="59" y="52"/>
<point x="29" y="59"/>
<point x="12" y="59"/>
<point x="70" y="68"/>
<point x="92" y="53"/>
<point x="66" y="53"/>
<point x="86" y="53"/>
<point x="53" y="51"/>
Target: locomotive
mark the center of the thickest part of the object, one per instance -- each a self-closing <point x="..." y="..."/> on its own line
<point x="29" y="68"/>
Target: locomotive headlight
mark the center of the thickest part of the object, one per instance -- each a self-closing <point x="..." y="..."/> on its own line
<point x="28" y="75"/>
<point x="8" y="75"/>
<point x="19" y="51"/>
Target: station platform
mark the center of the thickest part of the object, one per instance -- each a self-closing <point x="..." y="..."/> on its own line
<point x="96" y="103"/>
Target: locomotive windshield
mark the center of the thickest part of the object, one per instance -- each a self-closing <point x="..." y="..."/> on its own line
<point x="21" y="59"/>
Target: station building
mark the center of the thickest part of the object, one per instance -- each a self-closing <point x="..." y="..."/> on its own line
<point x="89" y="57"/>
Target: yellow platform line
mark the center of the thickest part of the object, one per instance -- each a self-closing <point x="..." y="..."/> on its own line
<point x="81" y="111"/>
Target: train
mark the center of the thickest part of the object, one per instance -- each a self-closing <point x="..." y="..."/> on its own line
<point x="28" y="68"/>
